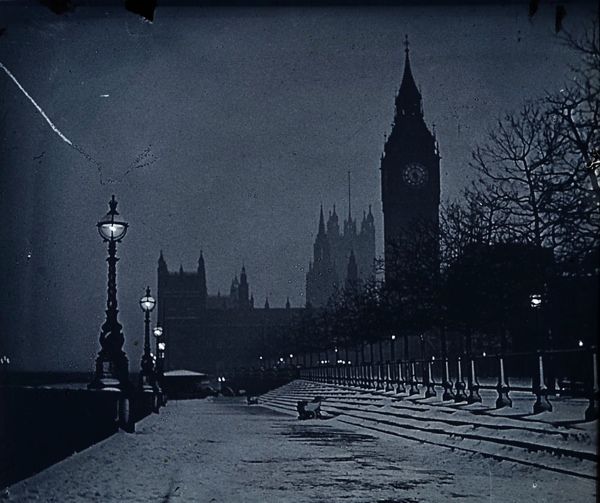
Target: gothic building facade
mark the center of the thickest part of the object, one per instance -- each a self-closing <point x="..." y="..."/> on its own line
<point x="340" y="257"/>
<point x="410" y="180"/>
<point x="215" y="333"/>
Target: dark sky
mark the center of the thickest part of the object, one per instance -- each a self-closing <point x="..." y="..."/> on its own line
<point x="223" y="130"/>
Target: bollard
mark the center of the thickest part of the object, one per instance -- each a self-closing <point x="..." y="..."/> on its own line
<point x="388" y="379"/>
<point x="371" y="376"/>
<point x="541" y="403"/>
<point x="126" y="422"/>
<point x="379" y="383"/>
<point x="400" y="388"/>
<point x="502" y="388"/>
<point x="460" y="395"/>
<point x="474" y="396"/>
<point x="447" y="384"/>
<point x="430" y="391"/>
<point x="414" y="384"/>
<point x="591" y="412"/>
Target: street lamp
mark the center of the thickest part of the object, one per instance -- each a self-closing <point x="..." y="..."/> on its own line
<point x="541" y="404"/>
<point x="160" y="350"/>
<point x="147" y="304"/>
<point x="535" y="300"/>
<point x="393" y="349"/>
<point x="157" y="332"/>
<point x="112" y="367"/>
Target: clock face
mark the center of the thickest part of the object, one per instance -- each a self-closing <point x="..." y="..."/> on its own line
<point x="414" y="174"/>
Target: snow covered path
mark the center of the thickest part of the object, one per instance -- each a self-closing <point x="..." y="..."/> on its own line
<point x="225" y="451"/>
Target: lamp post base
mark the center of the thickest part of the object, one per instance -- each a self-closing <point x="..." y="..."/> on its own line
<point x="111" y="372"/>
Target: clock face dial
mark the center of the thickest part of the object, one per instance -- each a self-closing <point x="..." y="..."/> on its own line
<point x="414" y="174"/>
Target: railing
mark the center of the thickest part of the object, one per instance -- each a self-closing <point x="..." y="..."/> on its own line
<point x="573" y="372"/>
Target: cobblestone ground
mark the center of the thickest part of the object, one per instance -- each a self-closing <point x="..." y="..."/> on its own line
<point x="226" y="451"/>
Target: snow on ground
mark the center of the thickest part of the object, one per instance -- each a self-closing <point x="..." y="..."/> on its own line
<point x="530" y="440"/>
<point x="224" y="451"/>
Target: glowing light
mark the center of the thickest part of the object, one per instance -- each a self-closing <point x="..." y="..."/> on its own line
<point x="536" y="300"/>
<point x="393" y="337"/>
<point x="580" y="344"/>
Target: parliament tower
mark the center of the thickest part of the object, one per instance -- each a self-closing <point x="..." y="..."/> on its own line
<point x="410" y="175"/>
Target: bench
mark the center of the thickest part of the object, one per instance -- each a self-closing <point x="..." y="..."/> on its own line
<point x="309" y="410"/>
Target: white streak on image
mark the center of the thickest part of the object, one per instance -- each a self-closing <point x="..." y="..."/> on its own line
<point x="104" y="95"/>
<point x="54" y="128"/>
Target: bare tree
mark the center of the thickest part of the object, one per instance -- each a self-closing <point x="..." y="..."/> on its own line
<point x="522" y="164"/>
<point x="576" y="109"/>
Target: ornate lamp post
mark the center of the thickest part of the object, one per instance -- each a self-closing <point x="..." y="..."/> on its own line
<point x="157" y="332"/>
<point x="147" y="304"/>
<point x="541" y="403"/>
<point x="112" y="366"/>
<point x="160" y="357"/>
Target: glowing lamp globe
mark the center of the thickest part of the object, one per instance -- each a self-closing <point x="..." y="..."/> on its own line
<point x="535" y="300"/>
<point x="157" y="332"/>
<point x="109" y="227"/>
<point x="147" y="302"/>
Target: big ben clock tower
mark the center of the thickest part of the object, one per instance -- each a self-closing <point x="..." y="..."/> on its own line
<point x="410" y="174"/>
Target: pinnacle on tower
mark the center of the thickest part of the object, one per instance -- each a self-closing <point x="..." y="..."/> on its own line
<point x="408" y="100"/>
<point x="349" y="200"/>
<point x="162" y="264"/>
<point x="321" y="221"/>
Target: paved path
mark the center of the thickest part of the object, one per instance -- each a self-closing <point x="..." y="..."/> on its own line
<point x="224" y="451"/>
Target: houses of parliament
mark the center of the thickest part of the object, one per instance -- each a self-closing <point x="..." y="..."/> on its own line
<point x="214" y="333"/>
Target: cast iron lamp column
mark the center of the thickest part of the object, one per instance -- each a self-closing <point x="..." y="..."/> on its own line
<point x="158" y="364"/>
<point x="157" y="332"/>
<point x="147" y="304"/>
<point x="112" y="366"/>
<point x="541" y="403"/>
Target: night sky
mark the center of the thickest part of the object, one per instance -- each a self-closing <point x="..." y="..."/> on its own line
<point x="223" y="130"/>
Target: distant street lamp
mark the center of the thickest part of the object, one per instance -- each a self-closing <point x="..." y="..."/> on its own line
<point x="393" y="349"/>
<point x="147" y="304"/>
<point x="159" y="362"/>
<point x="536" y="300"/>
<point x="541" y="404"/>
<point x="112" y="367"/>
<point x="157" y="332"/>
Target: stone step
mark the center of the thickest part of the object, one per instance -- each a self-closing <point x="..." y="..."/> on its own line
<point x="567" y="445"/>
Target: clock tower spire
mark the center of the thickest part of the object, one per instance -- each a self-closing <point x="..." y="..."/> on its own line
<point x="410" y="173"/>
